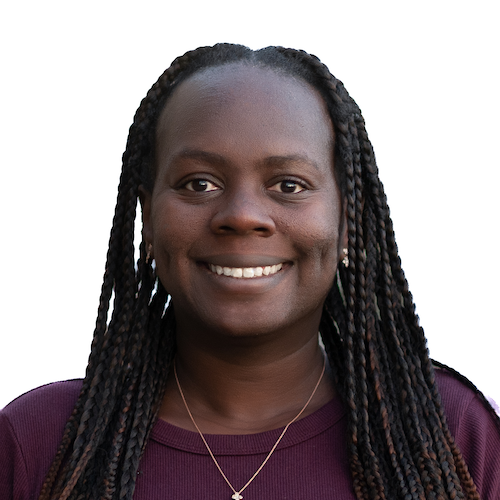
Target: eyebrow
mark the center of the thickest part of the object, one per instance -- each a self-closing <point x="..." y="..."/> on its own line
<point x="198" y="154"/>
<point x="217" y="159"/>
<point x="278" y="161"/>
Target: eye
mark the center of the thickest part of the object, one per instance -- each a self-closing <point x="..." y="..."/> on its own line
<point x="201" y="186"/>
<point x="288" y="186"/>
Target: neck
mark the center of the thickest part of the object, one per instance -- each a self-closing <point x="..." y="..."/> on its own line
<point x="244" y="391"/>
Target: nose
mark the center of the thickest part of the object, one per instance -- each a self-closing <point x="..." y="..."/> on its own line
<point x="243" y="212"/>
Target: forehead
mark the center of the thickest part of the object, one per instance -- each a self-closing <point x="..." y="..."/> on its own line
<point x="241" y="91"/>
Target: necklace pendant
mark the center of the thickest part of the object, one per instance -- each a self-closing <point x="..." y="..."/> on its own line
<point x="236" y="496"/>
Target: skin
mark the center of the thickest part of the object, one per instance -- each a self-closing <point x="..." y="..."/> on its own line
<point x="244" y="178"/>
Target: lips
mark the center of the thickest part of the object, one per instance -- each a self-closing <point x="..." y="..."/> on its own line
<point x="245" y="272"/>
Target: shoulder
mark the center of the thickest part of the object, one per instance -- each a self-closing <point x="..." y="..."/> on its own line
<point x="462" y="399"/>
<point x="38" y="417"/>
<point x="31" y="428"/>
<point x="42" y="410"/>
<point x="475" y="426"/>
<point x="46" y="398"/>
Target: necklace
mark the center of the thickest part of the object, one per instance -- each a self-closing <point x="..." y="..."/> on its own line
<point x="237" y="494"/>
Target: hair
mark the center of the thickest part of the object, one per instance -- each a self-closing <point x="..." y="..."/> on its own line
<point x="399" y="442"/>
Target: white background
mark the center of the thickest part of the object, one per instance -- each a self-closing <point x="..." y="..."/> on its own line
<point x="425" y="75"/>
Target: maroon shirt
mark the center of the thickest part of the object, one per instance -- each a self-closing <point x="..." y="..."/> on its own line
<point x="310" y="462"/>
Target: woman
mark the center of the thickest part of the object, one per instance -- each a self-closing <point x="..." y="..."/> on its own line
<point x="264" y="221"/>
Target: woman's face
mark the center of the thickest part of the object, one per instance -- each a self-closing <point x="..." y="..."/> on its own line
<point x="245" y="215"/>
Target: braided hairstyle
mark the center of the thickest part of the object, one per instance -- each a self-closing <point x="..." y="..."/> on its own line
<point x="400" y="445"/>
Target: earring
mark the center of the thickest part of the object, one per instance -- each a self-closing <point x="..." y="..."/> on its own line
<point x="148" y="253"/>
<point x="345" y="260"/>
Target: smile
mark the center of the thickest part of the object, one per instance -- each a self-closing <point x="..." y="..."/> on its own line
<point x="246" y="272"/>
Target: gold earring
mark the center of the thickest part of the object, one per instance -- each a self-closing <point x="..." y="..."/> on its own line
<point x="345" y="260"/>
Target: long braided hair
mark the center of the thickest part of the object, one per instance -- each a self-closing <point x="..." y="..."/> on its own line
<point x="400" y="445"/>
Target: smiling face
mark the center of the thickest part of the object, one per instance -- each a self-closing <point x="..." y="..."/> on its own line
<point x="245" y="214"/>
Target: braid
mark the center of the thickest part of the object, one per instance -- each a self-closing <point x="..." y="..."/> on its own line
<point x="399" y="442"/>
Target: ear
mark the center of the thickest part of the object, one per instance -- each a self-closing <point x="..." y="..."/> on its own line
<point x="147" y="229"/>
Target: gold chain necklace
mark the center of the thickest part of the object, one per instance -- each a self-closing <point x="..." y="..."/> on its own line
<point x="237" y="494"/>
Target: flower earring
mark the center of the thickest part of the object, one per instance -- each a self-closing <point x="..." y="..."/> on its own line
<point x="345" y="260"/>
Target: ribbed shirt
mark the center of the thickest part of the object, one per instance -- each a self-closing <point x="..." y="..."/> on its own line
<point x="310" y="462"/>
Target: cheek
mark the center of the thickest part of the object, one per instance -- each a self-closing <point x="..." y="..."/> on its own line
<point x="323" y="257"/>
<point x="169" y="231"/>
<point x="320" y="244"/>
<point x="324" y="246"/>
<point x="316" y="231"/>
<point x="171" y="241"/>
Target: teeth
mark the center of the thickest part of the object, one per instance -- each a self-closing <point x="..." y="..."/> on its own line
<point x="246" y="272"/>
